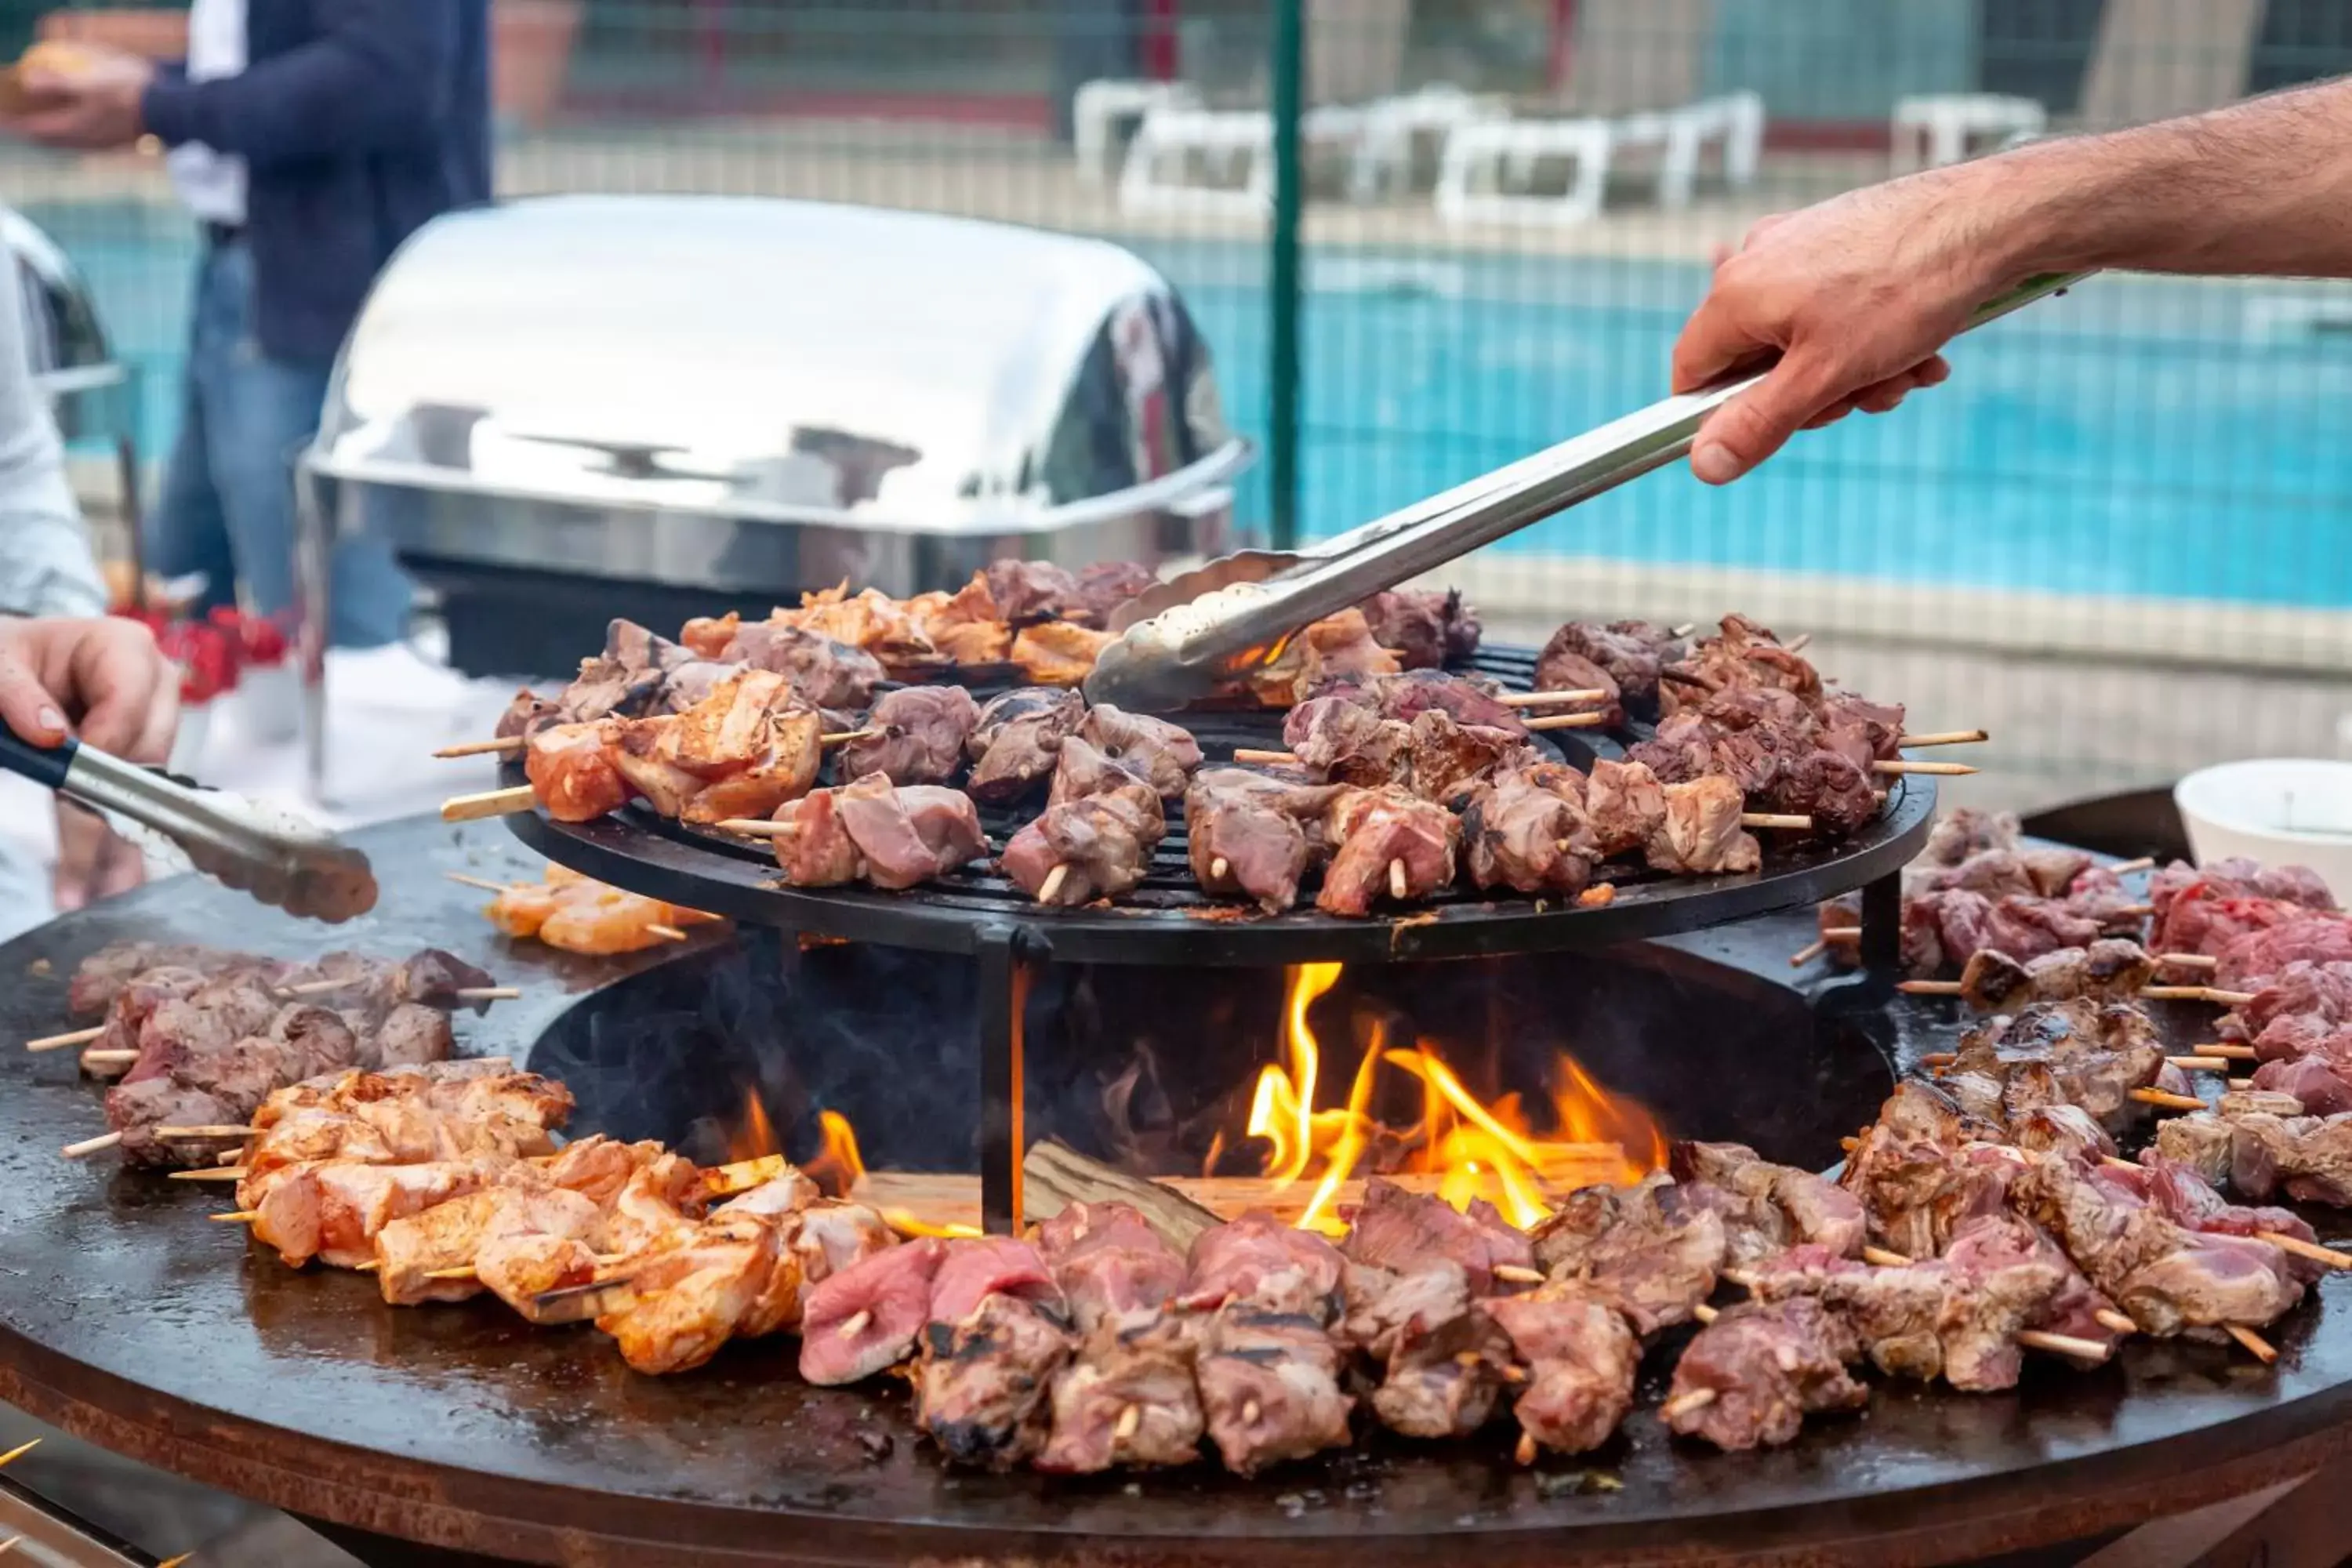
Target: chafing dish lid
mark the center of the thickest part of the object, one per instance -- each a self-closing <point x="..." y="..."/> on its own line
<point x="796" y="361"/>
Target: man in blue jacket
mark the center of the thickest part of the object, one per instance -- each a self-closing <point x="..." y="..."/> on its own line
<point x="311" y="138"/>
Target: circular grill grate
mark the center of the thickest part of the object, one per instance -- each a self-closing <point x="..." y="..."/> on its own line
<point x="1169" y="921"/>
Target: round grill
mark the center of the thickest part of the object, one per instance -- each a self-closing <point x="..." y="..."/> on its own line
<point x="1169" y="921"/>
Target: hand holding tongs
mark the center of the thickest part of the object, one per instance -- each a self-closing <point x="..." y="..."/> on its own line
<point x="274" y="856"/>
<point x="1206" y="627"/>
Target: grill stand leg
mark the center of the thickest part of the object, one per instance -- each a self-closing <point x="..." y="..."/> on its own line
<point x="1882" y="925"/>
<point x="1005" y="972"/>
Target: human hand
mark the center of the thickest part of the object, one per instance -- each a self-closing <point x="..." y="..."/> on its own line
<point x="106" y="679"/>
<point x="1856" y="295"/>
<point x="91" y="99"/>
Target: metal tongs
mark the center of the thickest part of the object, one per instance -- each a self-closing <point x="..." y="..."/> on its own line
<point x="275" y="855"/>
<point x="1203" y="629"/>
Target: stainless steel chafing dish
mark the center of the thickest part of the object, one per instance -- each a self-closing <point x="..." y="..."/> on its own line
<point x="62" y="334"/>
<point x="726" y="393"/>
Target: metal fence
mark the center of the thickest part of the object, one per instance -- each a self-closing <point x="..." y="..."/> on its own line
<point x="1426" y="237"/>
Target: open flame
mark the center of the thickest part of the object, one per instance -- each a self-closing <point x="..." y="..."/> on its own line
<point x="754" y="1135"/>
<point x="1471" y="1149"/>
<point x="838" y="1169"/>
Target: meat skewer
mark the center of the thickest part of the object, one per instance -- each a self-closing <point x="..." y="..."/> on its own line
<point x="871" y="831"/>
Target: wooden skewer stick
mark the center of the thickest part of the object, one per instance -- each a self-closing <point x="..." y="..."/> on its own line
<point x="2067" y="1346"/>
<point x="668" y="933"/>
<point x="368" y="1266"/>
<point x="2264" y="1351"/>
<point x="2173" y="992"/>
<point x="1053" y="884"/>
<point x="1526" y="1451"/>
<point x="484" y="883"/>
<point x="2126" y="867"/>
<point x="1810" y="952"/>
<point x="1945" y="738"/>
<point x="1683" y="631"/>
<point x="2240" y="1085"/>
<point x="2120" y="1323"/>
<point x="2112" y="1162"/>
<point x="2187" y="959"/>
<point x="1794" y="821"/>
<point x="465" y="1272"/>
<point x="1218" y="867"/>
<point x="1952" y="770"/>
<point x="1252" y="754"/>
<point x="1928" y="987"/>
<point x="1704" y="1313"/>
<point x="1799" y="643"/>
<point x="490" y="803"/>
<point x="176" y="1562"/>
<point x="1885" y="1258"/>
<point x="2166" y="1099"/>
<point x="756" y="827"/>
<point x="1690" y="1403"/>
<point x="2235" y="1053"/>
<point x="18" y="1452"/>
<point x="217" y="1173"/>
<point x="202" y="1134"/>
<point x="853" y="1325"/>
<point x="1569" y="722"/>
<point x="1539" y="698"/>
<point x="2227" y="998"/>
<point x="1517" y="1274"/>
<point x="234" y="1217"/>
<point x="117" y="1059"/>
<point x="2302" y="1248"/>
<point x="91" y="1145"/>
<point x="1130" y="1419"/>
<point x="503" y="746"/>
<point x="843" y="737"/>
<point x="2198" y="1064"/>
<point x="60" y="1042"/>
<point x="1399" y="887"/>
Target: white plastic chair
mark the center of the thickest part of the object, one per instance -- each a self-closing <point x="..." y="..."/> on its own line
<point x="1392" y="128"/>
<point x="1931" y="129"/>
<point x="1506" y="151"/>
<point x="1155" y="177"/>
<point x="1099" y="109"/>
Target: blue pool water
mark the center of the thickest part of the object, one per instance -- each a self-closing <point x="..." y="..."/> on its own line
<point x="2136" y="438"/>
<point x="2132" y="437"/>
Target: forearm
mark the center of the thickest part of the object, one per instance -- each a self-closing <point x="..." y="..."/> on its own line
<point x="379" y="80"/>
<point x="2261" y="187"/>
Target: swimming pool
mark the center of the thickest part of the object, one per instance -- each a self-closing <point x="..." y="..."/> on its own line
<point x="2135" y="437"/>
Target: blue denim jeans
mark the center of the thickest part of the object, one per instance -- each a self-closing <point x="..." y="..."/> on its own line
<point x="227" y="506"/>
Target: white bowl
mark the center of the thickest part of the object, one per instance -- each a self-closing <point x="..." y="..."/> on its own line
<point x="2281" y="811"/>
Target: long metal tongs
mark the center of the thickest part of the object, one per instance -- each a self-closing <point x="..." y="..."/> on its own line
<point x="1204" y="628"/>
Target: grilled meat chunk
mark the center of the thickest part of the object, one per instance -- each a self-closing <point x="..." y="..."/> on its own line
<point x="1390" y="845"/>
<point x="1016" y="741"/>
<point x="1750" y="1378"/>
<point x="1581" y="1358"/>
<point x="923" y="730"/>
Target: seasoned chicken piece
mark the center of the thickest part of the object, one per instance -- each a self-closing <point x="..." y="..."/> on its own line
<point x="1058" y="653"/>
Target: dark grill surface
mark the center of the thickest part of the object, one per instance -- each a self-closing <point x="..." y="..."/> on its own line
<point x="132" y="1320"/>
<point x="1169" y="921"/>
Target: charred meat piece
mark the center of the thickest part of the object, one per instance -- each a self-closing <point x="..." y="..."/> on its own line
<point x="1581" y="1359"/>
<point x="1401" y="1231"/>
<point x="892" y="837"/>
<point x="1468" y="699"/>
<point x="1859" y="730"/>
<point x="1025" y="591"/>
<point x="1163" y="754"/>
<point x="1424" y="628"/>
<point x="823" y="673"/>
<point x="99" y="978"/>
<point x="1269" y="1387"/>
<point x="1827" y="786"/>
<point x="1631" y="659"/>
<point x="1105" y="585"/>
<point x="1340" y="739"/>
<point x="1130" y="1395"/>
<point x="1650" y="1253"/>
<point x="1017" y="740"/>
<point x="1416" y="1264"/>
<point x="2095" y="1056"/>
<point x="2109" y="970"/>
<point x="1391" y="845"/>
<point x="1818" y="1210"/>
<point x="1745" y="654"/>
<point x="1101" y="847"/>
<point x="923" y="730"/>
<point x="1750" y="1378"/>
<point x="1701" y="835"/>
<point x="997" y="1334"/>
<point x="1254" y="834"/>
<point x="1526" y="829"/>
<point x="1625" y="806"/>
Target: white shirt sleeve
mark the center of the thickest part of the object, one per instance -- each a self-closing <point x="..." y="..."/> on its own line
<point x="46" y="565"/>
